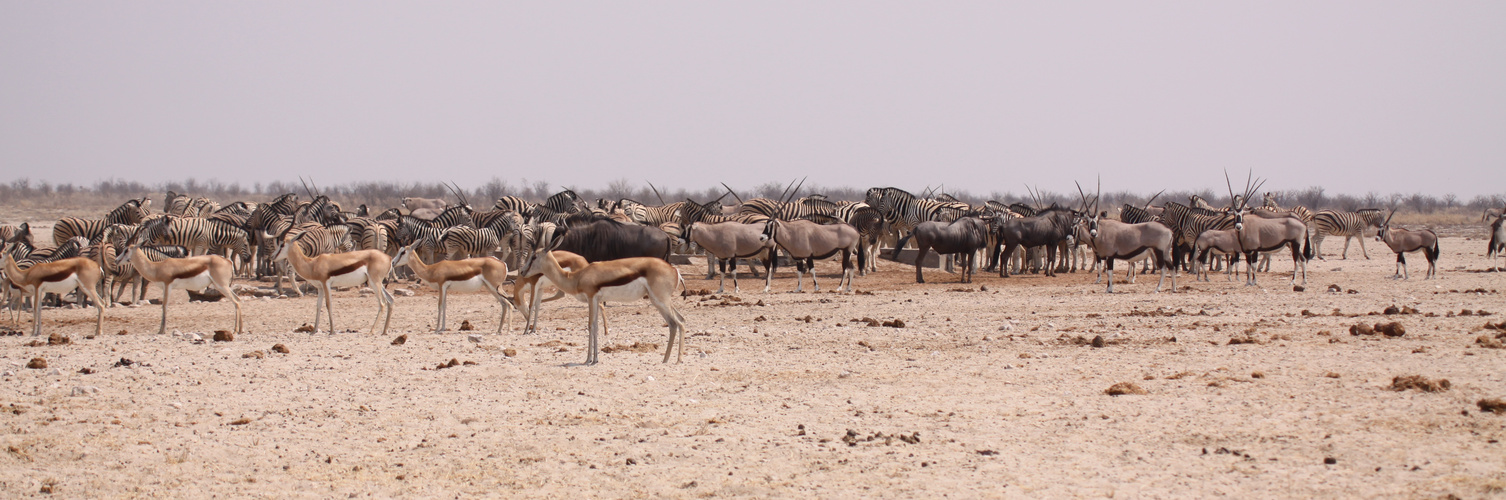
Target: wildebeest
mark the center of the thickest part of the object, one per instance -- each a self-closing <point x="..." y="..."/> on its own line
<point x="965" y="236"/>
<point x="600" y="238"/>
<point x="1050" y="227"/>
<point x="806" y="241"/>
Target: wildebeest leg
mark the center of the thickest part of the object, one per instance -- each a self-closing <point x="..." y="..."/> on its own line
<point x="920" y="259"/>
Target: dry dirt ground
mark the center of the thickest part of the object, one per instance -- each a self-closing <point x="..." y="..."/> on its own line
<point x="990" y="389"/>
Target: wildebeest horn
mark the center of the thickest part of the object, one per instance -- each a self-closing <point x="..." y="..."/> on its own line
<point x="656" y="193"/>
<point x="734" y="193"/>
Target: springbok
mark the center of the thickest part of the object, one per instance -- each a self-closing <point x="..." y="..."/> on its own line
<point x="469" y="275"/>
<point x="729" y="241"/>
<point x="617" y="281"/>
<point x="191" y="273"/>
<point x="59" y="277"/>
<point x="1402" y="241"/>
<point x="534" y="280"/>
<point x="806" y="241"/>
<point x="346" y="269"/>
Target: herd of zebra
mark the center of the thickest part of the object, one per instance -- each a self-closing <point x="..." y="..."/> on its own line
<point x="1018" y="237"/>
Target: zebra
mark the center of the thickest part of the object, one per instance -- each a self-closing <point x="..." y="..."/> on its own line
<point x="130" y="212"/>
<point x="320" y="210"/>
<point x="1346" y="224"/>
<point x="175" y="204"/>
<point x="1270" y="201"/>
<point x="1187" y="223"/>
<point x="462" y="242"/>
<point x="513" y="203"/>
<point x="653" y="215"/>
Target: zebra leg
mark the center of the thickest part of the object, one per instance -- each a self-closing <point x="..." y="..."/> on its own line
<point x="1361" y="237"/>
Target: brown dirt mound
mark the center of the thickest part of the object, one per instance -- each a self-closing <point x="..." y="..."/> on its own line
<point x="1124" y="388"/>
<point x="636" y="347"/>
<point x="1420" y="383"/>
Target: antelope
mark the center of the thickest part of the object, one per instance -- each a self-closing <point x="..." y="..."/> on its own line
<point x="806" y="241"/>
<point x="469" y="275"/>
<point x="1112" y="239"/>
<point x="1258" y="235"/>
<point x="729" y="241"/>
<point x="534" y="280"/>
<point x="1497" y="240"/>
<point x="617" y="281"/>
<point x="1402" y="241"/>
<point x="346" y="269"/>
<point x="1220" y="241"/>
<point x="191" y="273"/>
<point x="59" y="277"/>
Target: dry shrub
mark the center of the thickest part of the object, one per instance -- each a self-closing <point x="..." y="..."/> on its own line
<point x="1124" y="388"/>
<point x="1420" y="383"/>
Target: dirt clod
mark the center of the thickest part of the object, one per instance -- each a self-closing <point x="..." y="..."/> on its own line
<point x="1362" y="329"/>
<point x="1125" y="388"/>
<point x="279" y="348"/>
<point x="1257" y="374"/>
<point x="306" y="328"/>
<point x="896" y="323"/>
<point x="509" y="352"/>
<point x="1420" y="383"/>
<point x="1492" y="405"/>
<point x="465" y="326"/>
<point x="639" y="347"/>
<point x="1330" y="460"/>
<point x="223" y="336"/>
<point x="240" y="421"/>
<point x="400" y="340"/>
<point x="254" y="355"/>
<point x="1392" y="329"/>
<point x="56" y="339"/>
<point x="86" y="370"/>
<point x="36" y="363"/>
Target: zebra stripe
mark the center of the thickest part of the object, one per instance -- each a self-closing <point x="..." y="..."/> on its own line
<point x="130" y="212"/>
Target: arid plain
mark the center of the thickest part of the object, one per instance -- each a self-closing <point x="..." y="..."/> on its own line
<point x="989" y="389"/>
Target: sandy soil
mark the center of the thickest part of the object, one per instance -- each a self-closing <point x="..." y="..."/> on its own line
<point x="990" y="389"/>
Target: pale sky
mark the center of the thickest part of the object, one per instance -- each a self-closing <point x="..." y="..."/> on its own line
<point x="984" y="96"/>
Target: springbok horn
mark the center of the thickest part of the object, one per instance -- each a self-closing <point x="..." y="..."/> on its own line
<point x="656" y="193"/>
<point x="734" y="193"/>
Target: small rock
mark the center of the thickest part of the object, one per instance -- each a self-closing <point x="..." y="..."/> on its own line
<point x="1299" y="288"/>
<point x="85" y="390"/>
<point x="56" y="339"/>
<point x="1330" y="460"/>
<point x="306" y="328"/>
<point x="240" y="421"/>
<point x="1361" y="329"/>
<point x="196" y="337"/>
<point x="1392" y="329"/>
<point x="1257" y="375"/>
<point x="223" y="336"/>
<point x="509" y="352"/>
<point x="1098" y="341"/>
<point x="474" y="338"/>
<point x="1420" y="383"/>
<point x="1006" y="327"/>
<point x="1125" y="388"/>
<point x="897" y="323"/>
<point x="37" y="363"/>
<point x="86" y="370"/>
<point x="279" y="348"/>
<point x="465" y="326"/>
<point x="400" y="340"/>
<point x="254" y="355"/>
<point x="403" y="292"/>
<point x="54" y="372"/>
